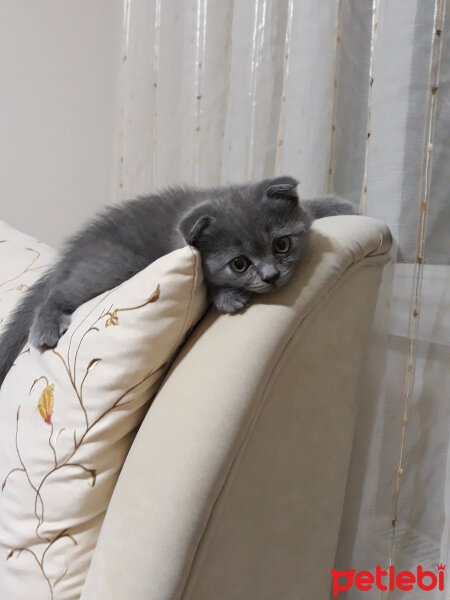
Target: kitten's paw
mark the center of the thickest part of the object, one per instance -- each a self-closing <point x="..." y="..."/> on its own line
<point x="45" y="332"/>
<point x="64" y="324"/>
<point x="231" y="301"/>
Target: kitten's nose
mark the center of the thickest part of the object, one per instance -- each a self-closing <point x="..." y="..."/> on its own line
<point x="270" y="277"/>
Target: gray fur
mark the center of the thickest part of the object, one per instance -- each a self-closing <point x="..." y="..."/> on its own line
<point x="223" y="223"/>
<point x="327" y="206"/>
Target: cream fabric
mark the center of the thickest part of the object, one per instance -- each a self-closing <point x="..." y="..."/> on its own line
<point x="237" y="475"/>
<point x="22" y="260"/>
<point x="69" y="415"/>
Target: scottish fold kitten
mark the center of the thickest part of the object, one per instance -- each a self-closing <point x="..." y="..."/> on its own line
<point x="250" y="237"/>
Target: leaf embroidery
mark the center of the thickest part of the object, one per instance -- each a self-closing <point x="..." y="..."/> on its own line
<point x="45" y="404"/>
<point x="92" y="363"/>
<point x="113" y="318"/>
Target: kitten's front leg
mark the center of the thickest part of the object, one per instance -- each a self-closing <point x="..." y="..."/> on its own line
<point x="229" y="300"/>
<point x="87" y="279"/>
<point x="51" y="321"/>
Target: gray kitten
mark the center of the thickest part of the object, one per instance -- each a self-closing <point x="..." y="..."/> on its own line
<point x="250" y="238"/>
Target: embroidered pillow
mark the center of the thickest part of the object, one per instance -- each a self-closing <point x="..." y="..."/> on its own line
<point x="69" y="416"/>
<point x="22" y="260"/>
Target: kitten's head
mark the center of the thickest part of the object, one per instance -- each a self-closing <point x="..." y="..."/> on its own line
<point x="250" y="237"/>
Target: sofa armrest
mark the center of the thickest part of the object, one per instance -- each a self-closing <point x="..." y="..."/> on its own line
<point x="233" y="488"/>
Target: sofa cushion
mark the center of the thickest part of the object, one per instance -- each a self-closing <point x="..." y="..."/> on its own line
<point x="69" y="416"/>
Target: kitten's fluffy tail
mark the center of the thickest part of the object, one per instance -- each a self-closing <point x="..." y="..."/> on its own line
<point x="15" y="334"/>
<point x="328" y="206"/>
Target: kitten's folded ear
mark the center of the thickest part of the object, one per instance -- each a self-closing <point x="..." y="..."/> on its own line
<point x="284" y="188"/>
<point x="193" y="225"/>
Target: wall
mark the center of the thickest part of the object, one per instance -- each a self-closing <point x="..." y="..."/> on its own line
<point x="59" y="67"/>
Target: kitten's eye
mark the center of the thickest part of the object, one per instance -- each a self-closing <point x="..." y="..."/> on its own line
<point x="240" y="264"/>
<point x="282" y="245"/>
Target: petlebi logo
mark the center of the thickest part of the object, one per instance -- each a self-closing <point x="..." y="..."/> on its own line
<point x="388" y="579"/>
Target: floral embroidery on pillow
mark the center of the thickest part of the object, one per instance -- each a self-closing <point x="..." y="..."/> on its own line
<point x="14" y="284"/>
<point x="47" y="403"/>
<point x="29" y="267"/>
<point x="114" y="317"/>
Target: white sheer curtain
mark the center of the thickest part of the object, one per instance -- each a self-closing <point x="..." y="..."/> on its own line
<point x="351" y="96"/>
<point x="397" y="507"/>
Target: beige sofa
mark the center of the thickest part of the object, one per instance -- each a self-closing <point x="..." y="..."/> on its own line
<point x="234" y="485"/>
<point x="233" y="488"/>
